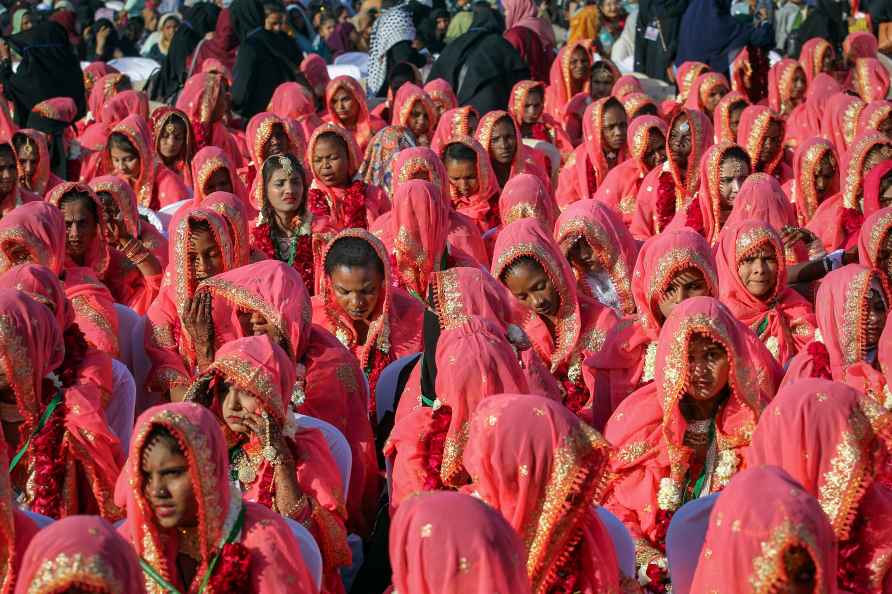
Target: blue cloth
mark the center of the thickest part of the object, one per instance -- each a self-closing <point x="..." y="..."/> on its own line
<point x="709" y="34"/>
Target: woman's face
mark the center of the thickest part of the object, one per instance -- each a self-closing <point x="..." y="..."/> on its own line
<point x="615" y="128"/>
<point x="734" y="118"/>
<point x="713" y="97"/>
<point x="344" y="107"/>
<point x="124" y="162"/>
<point x="26" y="22"/>
<point x="169" y="28"/>
<point x="81" y="228"/>
<point x="205" y="257"/>
<point x="173" y="138"/>
<point x="356" y="290"/>
<point x="827" y="62"/>
<point x="824" y="175"/>
<point x="167" y="485"/>
<point x="219" y="181"/>
<point x="462" y="177"/>
<point x="656" y="150"/>
<point x="732" y="174"/>
<point x="771" y="144"/>
<point x="238" y="404"/>
<point x="583" y="258"/>
<point x="885" y="127"/>
<point x="28" y="161"/>
<point x="278" y="142"/>
<point x="420" y="122"/>
<point x="9" y="173"/>
<point x="503" y="142"/>
<point x="876" y="319"/>
<point x="533" y="106"/>
<point x="687" y="283"/>
<point x="579" y="65"/>
<point x="610" y="8"/>
<point x="274" y="21"/>
<point x="800" y="570"/>
<point x="680" y="140"/>
<point x="886" y="191"/>
<point x="884" y="257"/>
<point x="758" y="272"/>
<point x="285" y="191"/>
<point x="797" y="88"/>
<point x="532" y="287"/>
<point x="330" y="162"/>
<point x="601" y="84"/>
<point x="708" y="368"/>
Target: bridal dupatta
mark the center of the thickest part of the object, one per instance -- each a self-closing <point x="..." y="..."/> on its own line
<point x="408" y="96"/>
<point x="754" y="123"/>
<point x="473" y="361"/>
<point x="259" y="367"/>
<point x="367" y="125"/>
<point x="71" y="465"/>
<point x="581" y="323"/>
<point x="543" y="469"/>
<point x="872" y="240"/>
<point x="610" y="242"/>
<point x="649" y="459"/>
<point x="812" y="57"/>
<point x="756" y="555"/>
<point x="783" y="320"/>
<point x="451" y="543"/>
<point x="721" y="115"/>
<point x="842" y="431"/>
<point x="524" y="157"/>
<point x="263" y="555"/>
<point x="620" y="187"/>
<point x="482" y="205"/>
<point x="780" y="86"/>
<point x="42" y="180"/>
<point x="628" y="359"/>
<point x="560" y="88"/>
<point x="801" y="189"/>
<point x="547" y="128"/>
<point x="16" y="528"/>
<point x="205" y="164"/>
<point x="329" y="386"/>
<point x="666" y="189"/>
<point x="394" y="328"/>
<point x="199" y="100"/>
<point x="840" y="119"/>
<point x="164" y="117"/>
<point x="454" y="122"/>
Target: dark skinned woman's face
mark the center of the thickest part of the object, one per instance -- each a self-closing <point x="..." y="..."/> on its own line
<point x="680" y="140"/>
<point x="580" y="65"/>
<point x="601" y="84"/>
<point x="532" y="287"/>
<point x="614" y="128"/>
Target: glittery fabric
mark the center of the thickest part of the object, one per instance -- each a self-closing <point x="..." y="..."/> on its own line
<point x="98" y="255"/>
<point x="722" y="115"/>
<point x="854" y="163"/>
<point x="841" y="308"/>
<point x="751" y="132"/>
<point x="780" y="85"/>
<point x="806" y="162"/>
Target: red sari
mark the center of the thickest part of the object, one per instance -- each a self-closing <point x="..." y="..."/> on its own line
<point x="872" y="239"/>
<point x="721" y="116"/>
<point x="842" y="431"/>
<point x="687" y="74"/>
<point x="205" y="164"/>
<point x="353" y="206"/>
<point x="653" y="467"/>
<point x="811" y="58"/>
<point x="71" y="464"/>
<point x="427" y="442"/>
<point x="874" y="114"/>
<point x="783" y="320"/>
<point x="801" y="189"/>
<point x="703" y="86"/>
<point x="610" y="242"/>
<point x="329" y="385"/>
<point x="581" y="323"/>
<point x="126" y="282"/>
<point x="587" y="167"/>
<point x="406" y="98"/>
<point x="261" y="558"/>
<point x="526" y="160"/>
<point x="780" y="86"/>
<point x="628" y="360"/>
<point x="42" y="180"/>
<point x="666" y="189"/>
<point x="463" y="528"/>
<point x="731" y="557"/>
<point x="39" y="228"/>
<point x="394" y="327"/>
<point x="482" y="206"/>
<point x="805" y="122"/>
<point x="547" y="129"/>
<point x="260" y="368"/>
<point x="258" y="133"/>
<point x="294" y="101"/>
<point x="560" y="88"/>
<point x="367" y="125"/>
<point x="870" y="79"/>
<point x="839" y="120"/>
<point x="542" y="468"/>
<point x="200" y="100"/>
<point x="753" y="127"/>
<point x="621" y="185"/>
<point x="460" y="121"/>
<point x="839" y="218"/>
<point x="441" y="94"/>
<point x="163" y="117"/>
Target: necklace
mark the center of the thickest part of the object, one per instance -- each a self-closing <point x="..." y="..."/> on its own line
<point x="698" y="433"/>
<point x="244" y="466"/>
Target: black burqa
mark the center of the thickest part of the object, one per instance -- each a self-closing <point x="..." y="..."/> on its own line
<point x="201" y="20"/>
<point x="709" y="34"/>
<point x="265" y="59"/>
<point x="825" y="20"/>
<point x="481" y="65"/>
<point x="654" y="54"/>
<point x="49" y="68"/>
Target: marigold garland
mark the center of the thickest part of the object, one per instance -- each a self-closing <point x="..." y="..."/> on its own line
<point x="233" y="572"/>
<point x="694" y="218"/>
<point x="665" y="206"/>
<point x="820" y="360"/>
<point x="349" y="211"/>
<point x="262" y="241"/>
<point x="434" y="443"/>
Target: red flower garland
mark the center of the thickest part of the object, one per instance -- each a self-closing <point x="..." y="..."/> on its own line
<point x="434" y="443"/>
<point x="590" y="179"/>
<point x="379" y="361"/>
<point x="820" y="360"/>
<point x="202" y="133"/>
<point x="75" y="351"/>
<point x="350" y="210"/>
<point x="540" y="132"/>
<point x="665" y="206"/>
<point x="233" y="570"/>
<point x="262" y="241"/>
<point x="850" y="572"/>
<point x="659" y="576"/>
<point x="852" y="219"/>
<point x="45" y="450"/>
<point x="576" y="397"/>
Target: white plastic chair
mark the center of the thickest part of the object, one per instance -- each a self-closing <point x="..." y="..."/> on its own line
<point x="154" y="219"/>
<point x="385" y="390"/>
<point x="350" y="70"/>
<point x="337" y="444"/>
<point x="309" y="550"/>
<point x="167" y="212"/>
<point x="120" y="410"/>
<point x="622" y="541"/>
<point x="358" y="59"/>
<point x="137" y="69"/>
<point x="127" y="321"/>
<point x="132" y="353"/>
<point x="684" y="540"/>
<point x="554" y="156"/>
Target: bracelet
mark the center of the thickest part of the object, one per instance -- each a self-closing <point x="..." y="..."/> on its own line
<point x="297" y="510"/>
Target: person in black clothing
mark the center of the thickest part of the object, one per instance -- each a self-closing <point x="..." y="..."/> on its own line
<point x="481" y="65"/>
<point x="656" y="36"/>
<point x="266" y="58"/>
<point x="173" y="74"/>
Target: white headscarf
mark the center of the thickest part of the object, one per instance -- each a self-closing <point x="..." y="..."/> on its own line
<point x="393" y="26"/>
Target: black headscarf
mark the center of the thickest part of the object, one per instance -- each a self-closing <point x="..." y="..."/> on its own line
<point x="825" y="20"/>
<point x="49" y="68"/>
<point x="173" y="74"/>
<point x="246" y="15"/>
<point x="265" y="60"/>
<point x="481" y="65"/>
